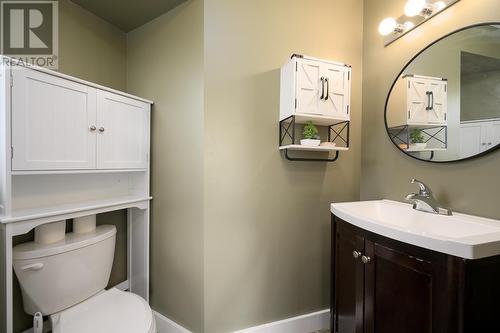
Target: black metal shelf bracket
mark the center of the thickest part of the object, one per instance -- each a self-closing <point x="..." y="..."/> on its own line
<point x="301" y="159"/>
<point x="338" y="132"/>
<point x="401" y="135"/>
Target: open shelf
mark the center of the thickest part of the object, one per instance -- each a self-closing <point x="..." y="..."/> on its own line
<point x="88" y="207"/>
<point x="435" y="134"/>
<point x="421" y="125"/>
<point x="301" y="118"/>
<point x="313" y="148"/>
<point x="72" y="172"/>
<point x="337" y="131"/>
<point x="423" y="150"/>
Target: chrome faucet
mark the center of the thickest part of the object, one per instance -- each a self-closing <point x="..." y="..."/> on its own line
<point x="424" y="201"/>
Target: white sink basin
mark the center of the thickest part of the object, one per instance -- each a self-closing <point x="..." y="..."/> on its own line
<point x="460" y="235"/>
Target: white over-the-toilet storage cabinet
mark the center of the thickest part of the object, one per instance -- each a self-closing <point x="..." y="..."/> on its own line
<point x="315" y="87"/>
<point x="70" y="148"/>
<point x="60" y="124"/>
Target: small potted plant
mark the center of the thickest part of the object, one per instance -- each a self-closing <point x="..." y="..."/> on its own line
<point x="417" y="140"/>
<point x="310" y="134"/>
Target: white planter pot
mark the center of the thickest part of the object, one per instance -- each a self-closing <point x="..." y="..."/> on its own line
<point x="418" y="145"/>
<point x="310" y="142"/>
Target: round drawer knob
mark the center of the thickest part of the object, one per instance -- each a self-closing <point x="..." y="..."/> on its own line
<point x="365" y="259"/>
<point x="101" y="129"/>
<point x="356" y="254"/>
<point x="92" y="128"/>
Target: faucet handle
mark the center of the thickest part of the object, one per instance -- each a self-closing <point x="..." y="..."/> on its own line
<point x="424" y="189"/>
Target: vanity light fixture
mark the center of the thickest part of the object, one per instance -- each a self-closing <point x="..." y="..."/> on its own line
<point x="414" y="7"/>
<point x="390" y="26"/>
<point x="387" y="26"/>
<point x="416" y="12"/>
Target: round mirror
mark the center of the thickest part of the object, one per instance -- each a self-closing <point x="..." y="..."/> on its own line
<point x="445" y="104"/>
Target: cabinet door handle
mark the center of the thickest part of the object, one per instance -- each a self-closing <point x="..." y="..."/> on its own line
<point x="327" y="88"/>
<point x="356" y="254"/>
<point x="365" y="259"/>
<point x="92" y="128"/>
<point x="101" y="129"/>
<point x="322" y="88"/>
<point x="483" y="144"/>
<point x="432" y="100"/>
<point x="489" y="143"/>
<point x="428" y="93"/>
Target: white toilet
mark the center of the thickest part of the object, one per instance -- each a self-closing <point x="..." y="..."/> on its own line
<point x="66" y="280"/>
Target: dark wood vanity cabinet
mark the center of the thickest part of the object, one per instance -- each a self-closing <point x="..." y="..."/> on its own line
<point x="380" y="285"/>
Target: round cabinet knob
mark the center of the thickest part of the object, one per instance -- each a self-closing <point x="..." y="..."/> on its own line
<point x="356" y="254"/>
<point x="365" y="259"/>
<point x="489" y="143"/>
<point x="92" y="128"/>
<point x="101" y="129"/>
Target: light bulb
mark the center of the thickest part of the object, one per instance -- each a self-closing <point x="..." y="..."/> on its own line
<point x="414" y="7"/>
<point x="387" y="26"/>
<point x="409" y="25"/>
<point x="440" y="5"/>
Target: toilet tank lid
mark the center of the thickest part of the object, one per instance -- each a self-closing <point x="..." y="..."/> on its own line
<point x="72" y="241"/>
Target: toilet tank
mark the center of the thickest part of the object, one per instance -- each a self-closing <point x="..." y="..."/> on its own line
<point x="57" y="276"/>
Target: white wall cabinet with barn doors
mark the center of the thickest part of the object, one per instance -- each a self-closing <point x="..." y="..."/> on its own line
<point x="419" y="101"/>
<point x="70" y="148"/>
<point x="318" y="91"/>
<point x="315" y="89"/>
<point x="59" y="124"/>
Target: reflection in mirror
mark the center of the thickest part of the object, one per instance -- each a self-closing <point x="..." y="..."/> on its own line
<point x="445" y="106"/>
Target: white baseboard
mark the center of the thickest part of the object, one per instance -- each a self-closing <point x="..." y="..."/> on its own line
<point x="165" y="325"/>
<point x="307" y="323"/>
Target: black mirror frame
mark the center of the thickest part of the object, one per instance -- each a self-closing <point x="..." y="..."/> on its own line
<point x="401" y="73"/>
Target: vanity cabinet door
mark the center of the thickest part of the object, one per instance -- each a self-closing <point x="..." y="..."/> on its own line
<point x="349" y="279"/>
<point x="122" y="125"/>
<point x="53" y="122"/>
<point x="398" y="291"/>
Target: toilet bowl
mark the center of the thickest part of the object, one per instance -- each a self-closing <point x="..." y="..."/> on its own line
<point x="110" y="311"/>
<point x="66" y="281"/>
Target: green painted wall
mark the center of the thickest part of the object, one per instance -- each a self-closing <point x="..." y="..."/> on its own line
<point x="165" y="64"/>
<point x="240" y="236"/>
<point x="91" y="48"/>
<point x="267" y="220"/>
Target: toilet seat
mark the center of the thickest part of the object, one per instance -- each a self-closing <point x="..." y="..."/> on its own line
<point x="111" y="311"/>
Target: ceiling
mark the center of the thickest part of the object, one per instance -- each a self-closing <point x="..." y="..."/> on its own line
<point x="128" y="14"/>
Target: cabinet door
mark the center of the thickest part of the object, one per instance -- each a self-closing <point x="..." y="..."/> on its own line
<point x="439" y="102"/>
<point x="493" y="134"/>
<point x="336" y="102"/>
<point x="51" y="122"/>
<point x="309" y="86"/>
<point x="123" y="132"/>
<point x="471" y="141"/>
<point x="418" y="100"/>
<point x="398" y="292"/>
<point x="349" y="277"/>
